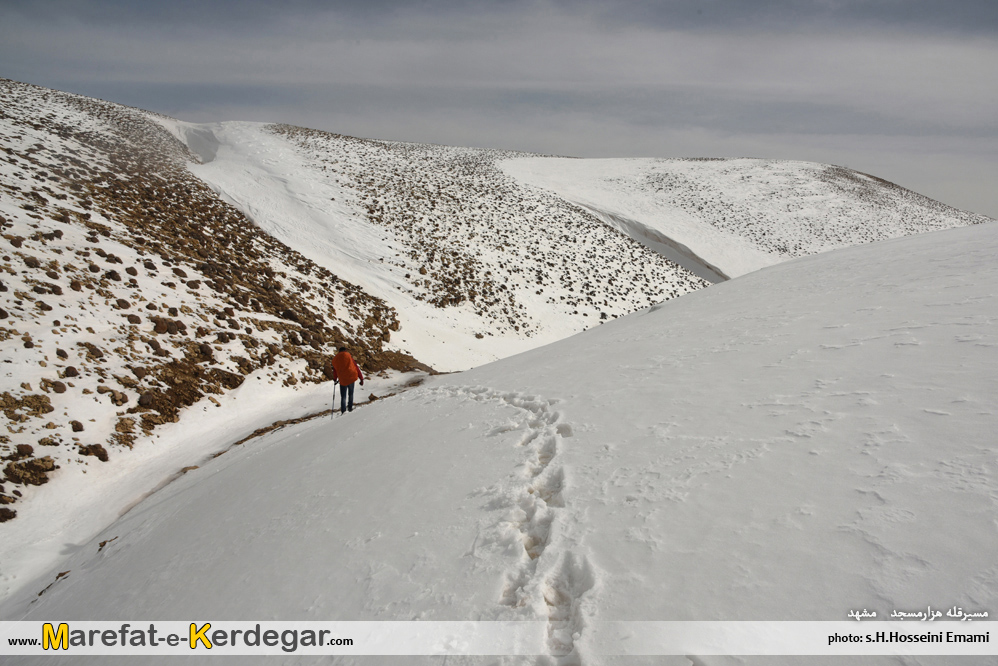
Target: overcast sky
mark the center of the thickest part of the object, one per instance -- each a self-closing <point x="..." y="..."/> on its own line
<point x="904" y="89"/>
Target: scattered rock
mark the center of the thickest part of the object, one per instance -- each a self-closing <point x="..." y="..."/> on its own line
<point x="31" y="405"/>
<point x="96" y="450"/>
<point x="32" y="472"/>
<point x="125" y="425"/>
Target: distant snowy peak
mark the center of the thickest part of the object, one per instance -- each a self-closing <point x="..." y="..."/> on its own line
<point x="739" y="215"/>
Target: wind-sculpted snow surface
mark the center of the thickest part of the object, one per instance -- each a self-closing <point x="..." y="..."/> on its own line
<point x="742" y="214"/>
<point x="814" y="438"/>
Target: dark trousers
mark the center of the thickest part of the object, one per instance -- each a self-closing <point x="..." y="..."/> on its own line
<point x="346" y="398"/>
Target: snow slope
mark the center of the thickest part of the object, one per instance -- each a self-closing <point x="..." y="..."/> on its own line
<point x="476" y="267"/>
<point x="133" y="300"/>
<point x="812" y="438"/>
<point x="739" y="215"/>
<point x="487" y="253"/>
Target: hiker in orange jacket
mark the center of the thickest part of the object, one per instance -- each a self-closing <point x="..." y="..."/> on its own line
<point x="346" y="373"/>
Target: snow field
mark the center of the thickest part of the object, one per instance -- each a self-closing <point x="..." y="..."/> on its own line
<point x="725" y="456"/>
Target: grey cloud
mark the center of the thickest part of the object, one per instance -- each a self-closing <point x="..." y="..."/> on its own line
<point x="966" y="16"/>
<point x="726" y="77"/>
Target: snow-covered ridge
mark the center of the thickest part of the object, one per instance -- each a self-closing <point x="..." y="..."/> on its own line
<point x="477" y="266"/>
<point x="732" y="455"/>
<point x="138" y="298"/>
<point x="488" y="253"/>
<point x="739" y="215"/>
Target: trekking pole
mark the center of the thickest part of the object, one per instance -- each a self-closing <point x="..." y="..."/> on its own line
<point x="332" y="408"/>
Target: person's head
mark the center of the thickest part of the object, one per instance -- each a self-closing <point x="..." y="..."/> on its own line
<point x="342" y="349"/>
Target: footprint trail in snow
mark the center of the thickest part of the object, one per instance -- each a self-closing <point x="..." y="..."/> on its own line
<point x="549" y="575"/>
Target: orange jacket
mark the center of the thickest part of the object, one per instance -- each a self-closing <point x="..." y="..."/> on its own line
<point x="345" y="369"/>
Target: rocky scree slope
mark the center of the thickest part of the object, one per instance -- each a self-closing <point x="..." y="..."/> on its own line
<point x="515" y="260"/>
<point x="129" y="290"/>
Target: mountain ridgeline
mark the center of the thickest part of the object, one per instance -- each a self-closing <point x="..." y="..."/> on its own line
<point x="134" y="286"/>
